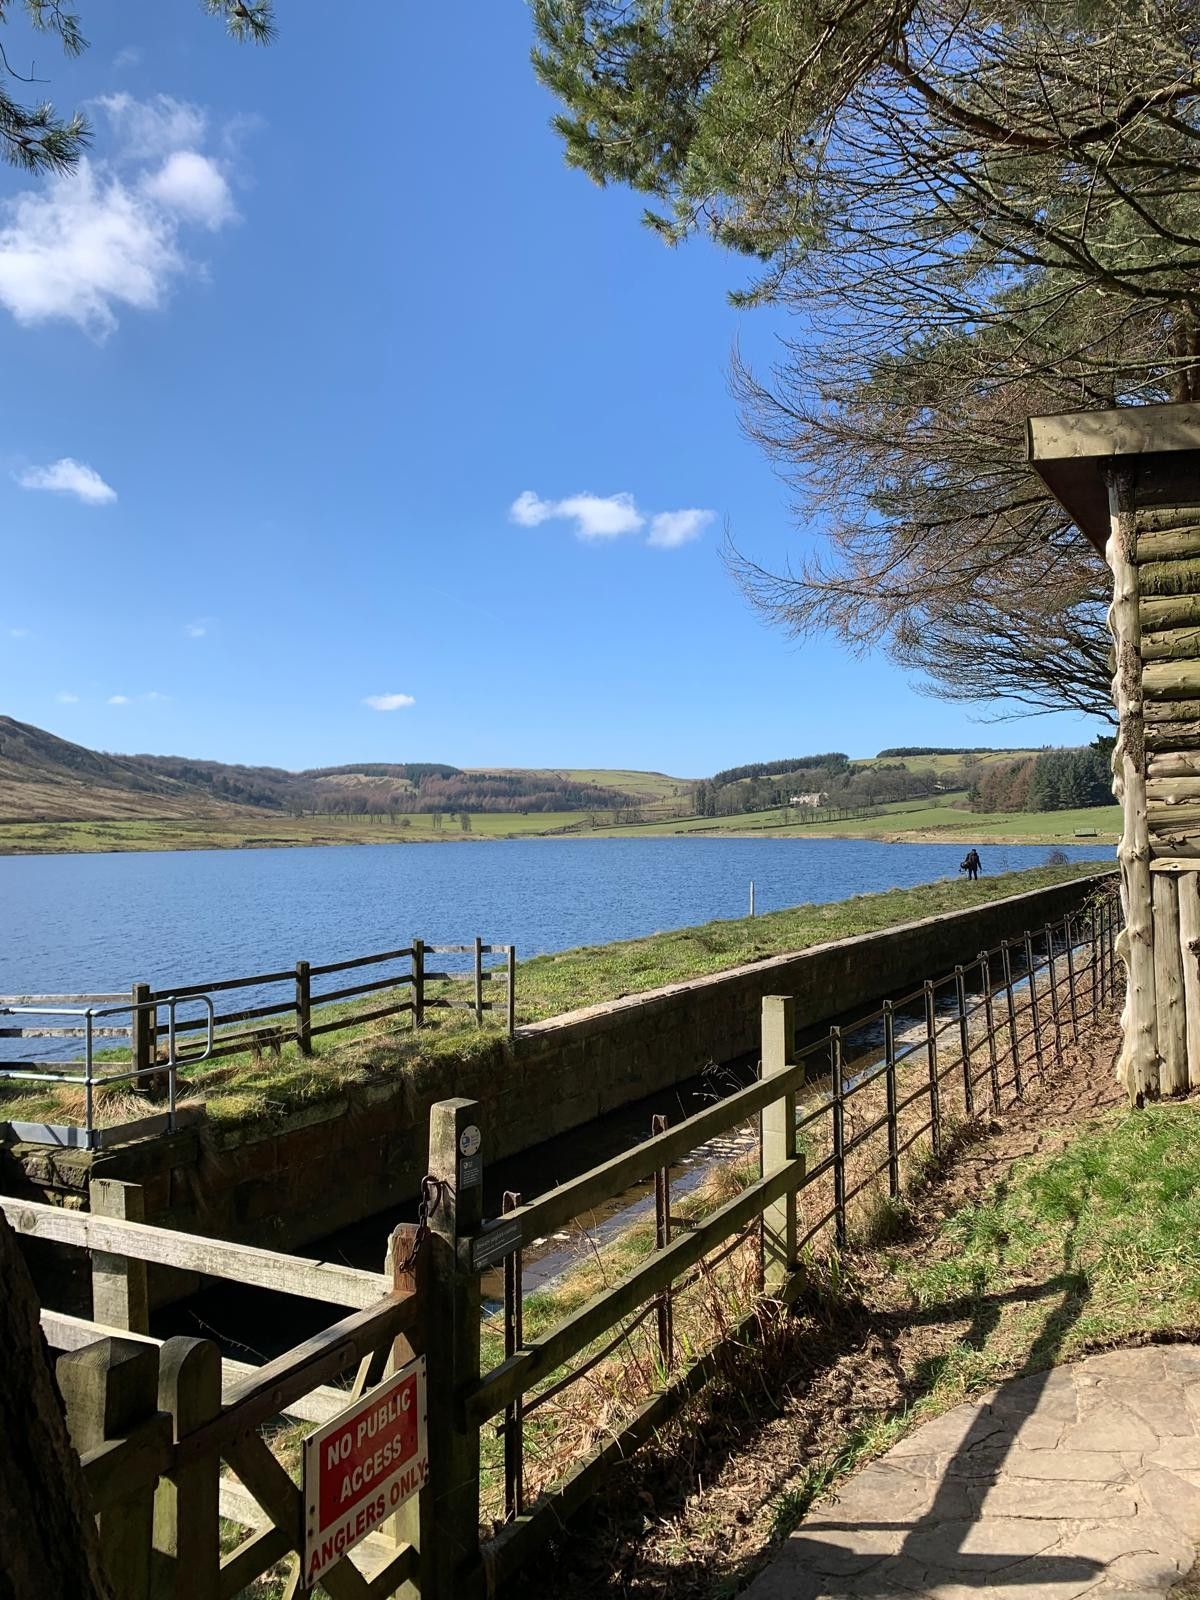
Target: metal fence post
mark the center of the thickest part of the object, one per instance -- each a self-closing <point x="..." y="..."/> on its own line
<point x="456" y="1165"/>
<point x="303" y="1008"/>
<point x="109" y="1389"/>
<point x="838" y="1105"/>
<point x="664" y="1310"/>
<point x="1011" y="1006"/>
<point x="1054" y="1012"/>
<point x="512" y="990"/>
<point x="964" y="1040"/>
<point x="889" y="1080"/>
<point x="120" y="1296"/>
<point x="778" y="1145"/>
<point x="989" y="1011"/>
<point x="931" y="1051"/>
<point x="187" y="1502"/>
<point x="478" y="981"/>
<point x="1069" y="936"/>
<point x="418" y="982"/>
<point x="1031" y="978"/>
<point x="514" y="1338"/>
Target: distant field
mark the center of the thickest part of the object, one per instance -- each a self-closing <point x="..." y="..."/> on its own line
<point x="948" y="820"/>
<point x="991" y="758"/>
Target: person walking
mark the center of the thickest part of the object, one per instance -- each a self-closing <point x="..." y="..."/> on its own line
<point x="972" y="865"/>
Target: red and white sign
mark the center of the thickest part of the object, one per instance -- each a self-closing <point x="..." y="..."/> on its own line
<point x="359" y="1468"/>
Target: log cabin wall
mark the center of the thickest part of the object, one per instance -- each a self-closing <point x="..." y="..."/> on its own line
<point x="1154" y="552"/>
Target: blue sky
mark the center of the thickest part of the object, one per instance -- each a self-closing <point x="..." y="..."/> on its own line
<point x="291" y="348"/>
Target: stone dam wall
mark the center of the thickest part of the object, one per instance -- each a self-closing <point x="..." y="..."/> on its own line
<point x="284" y="1183"/>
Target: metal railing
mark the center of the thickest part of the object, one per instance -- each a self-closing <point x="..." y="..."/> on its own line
<point x="91" y="1074"/>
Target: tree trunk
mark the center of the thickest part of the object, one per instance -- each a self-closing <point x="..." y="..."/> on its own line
<point x="48" y="1544"/>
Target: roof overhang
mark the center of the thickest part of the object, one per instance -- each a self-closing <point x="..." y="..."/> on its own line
<point x="1073" y="451"/>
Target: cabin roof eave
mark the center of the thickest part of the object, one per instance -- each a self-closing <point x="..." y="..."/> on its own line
<point x="1071" y="451"/>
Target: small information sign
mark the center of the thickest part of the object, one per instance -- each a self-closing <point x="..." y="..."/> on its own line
<point x="362" y="1466"/>
<point x="498" y="1241"/>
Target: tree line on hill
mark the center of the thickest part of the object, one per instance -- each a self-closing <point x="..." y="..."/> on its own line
<point x="767" y="785"/>
<point x="1053" y="780"/>
<point x="379" y="788"/>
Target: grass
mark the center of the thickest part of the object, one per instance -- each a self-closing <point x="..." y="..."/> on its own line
<point x="1092" y="1247"/>
<point x="944" y="821"/>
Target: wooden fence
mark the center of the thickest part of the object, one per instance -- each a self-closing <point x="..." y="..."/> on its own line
<point x="835" y="1124"/>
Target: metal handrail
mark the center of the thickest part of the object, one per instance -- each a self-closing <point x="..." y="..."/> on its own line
<point x="88" y="1079"/>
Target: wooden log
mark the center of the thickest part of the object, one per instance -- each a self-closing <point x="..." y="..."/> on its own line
<point x="1188" y="885"/>
<point x="1173" y="764"/>
<point x="1172" y="792"/>
<point x="1170" y="644"/>
<point x="1169" y="611"/>
<point x="1137" y="1062"/>
<point x="1169" y="577"/>
<point x="1168" y="985"/>
<point x="1171" y="680"/>
<point x="1173" y="711"/>
<point x="1155" y="518"/>
<point x="1161" y="738"/>
<point x="1168" y="543"/>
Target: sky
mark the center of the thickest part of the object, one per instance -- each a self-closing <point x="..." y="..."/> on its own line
<point x="351" y="424"/>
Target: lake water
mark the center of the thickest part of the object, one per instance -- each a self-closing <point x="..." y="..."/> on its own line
<point x="99" y="922"/>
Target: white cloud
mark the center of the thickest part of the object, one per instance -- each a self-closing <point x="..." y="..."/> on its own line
<point x="66" y="698"/>
<point x="193" y="186"/>
<point x="595" y="516"/>
<point x="155" y="697"/>
<point x="118" y="699"/>
<point x="670" y="529"/>
<point x="18" y="633"/>
<point x="108" y="235"/>
<point x="197" y="629"/>
<point x="131" y="56"/>
<point x="389" y="702"/>
<point x="610" y="516"/>
<point x="68" y="476"/>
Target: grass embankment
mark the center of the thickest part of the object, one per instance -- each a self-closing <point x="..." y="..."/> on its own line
<point x="1070" y="1225"/>
<point x="267" y="1084"/>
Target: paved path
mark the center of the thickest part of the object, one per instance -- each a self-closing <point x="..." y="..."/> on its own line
<point x="1085" y="1480"/>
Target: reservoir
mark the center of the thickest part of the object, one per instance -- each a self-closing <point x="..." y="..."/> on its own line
<point x="76" y="923"/>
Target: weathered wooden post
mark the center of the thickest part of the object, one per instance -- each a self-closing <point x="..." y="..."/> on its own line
<point x="1130" y="478"/>
<point x="120" y="1292"/>
<point x="110" y="1388"/>
<point x="187" y="1531"/>
<point x="304" y="1008"/>
<point x="452" y="1329"/>
<point x="778" y="1141"/>
<point x="414" y="1522"/>
<point x="141" y="1030"/>
<point x="418" y="982"/>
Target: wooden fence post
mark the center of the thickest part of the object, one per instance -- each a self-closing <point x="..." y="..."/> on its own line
<point x="186" y="1503"/>
<point x="452" y="1329"/>
<point x="304" y="1008"/>
<point x="109" y="1388"/>
<point x="141" y="1028"/>
<point x="120" y="1294"/>
<point x="414" y="1522"/>
<point x="780" y="1258"/>
<point x="418" y="982"/>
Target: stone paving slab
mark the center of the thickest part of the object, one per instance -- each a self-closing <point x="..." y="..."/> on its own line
<point x="1080" y="1481"/>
